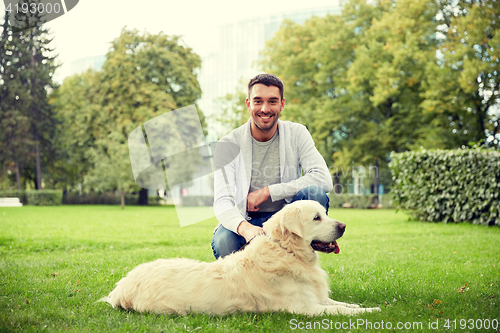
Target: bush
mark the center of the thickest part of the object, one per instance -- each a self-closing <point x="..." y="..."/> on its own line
<point x="154" y="200"/>
<point x="35" y="197"/>
<point x="448" y="185"/>
<point x="91" y="199"/>
<point x="108" y="198"/>
<point x="44" y="197"/>
<point x="356" y="201"/>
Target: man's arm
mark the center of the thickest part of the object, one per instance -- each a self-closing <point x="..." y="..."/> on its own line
<point x="312" y="163"/>
<point x="255" y="198"/>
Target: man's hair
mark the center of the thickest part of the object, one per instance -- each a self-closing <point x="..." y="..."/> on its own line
<point x="267" y="80"/>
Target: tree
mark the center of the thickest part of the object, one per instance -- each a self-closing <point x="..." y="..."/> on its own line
<point x="75" y="113"/>
<point x="233" y="108"/>
<point x="464" y="84"/>
<point x="368" y="82"/>
<point x="14" y="123"/>
<point x="26" y="79"/>
<point x="144" y="76"/>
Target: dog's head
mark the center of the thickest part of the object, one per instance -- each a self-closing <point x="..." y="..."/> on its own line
<point x="304" y="225"/>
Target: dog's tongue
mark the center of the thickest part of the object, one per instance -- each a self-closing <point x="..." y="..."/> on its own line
<point x="337" y="248"/>
<point x="325" y="247"/>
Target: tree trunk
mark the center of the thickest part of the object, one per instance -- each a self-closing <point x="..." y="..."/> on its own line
<point x="38" y="164"/>
<point x="336" y="183"/>
<point x="16" y="170"/>
<point x="375" y="184"/>
<point x="143" y="197"/>
<point x="36" y="118"/>
<point x="123" y="198"/>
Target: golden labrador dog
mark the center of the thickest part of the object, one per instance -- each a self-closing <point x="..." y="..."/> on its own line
<point x="277" y="271"/>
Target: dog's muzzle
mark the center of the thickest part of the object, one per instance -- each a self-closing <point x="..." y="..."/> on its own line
<point x="329" y="247"/>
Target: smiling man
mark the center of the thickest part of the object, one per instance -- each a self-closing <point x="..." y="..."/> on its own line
<point x="277" y="164"/>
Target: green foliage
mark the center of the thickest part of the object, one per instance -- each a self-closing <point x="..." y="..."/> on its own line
<point x="390" y="76"/>
<point x="44" y="197"/>
<point x="462" y="89"/>
<point x="107" y="198"/>
<point x="233" y="111"/>
<point x="144" y="76"/>
<point x="27" y="122"/>
<point x="449" y="185"/>
<point x="35" y="197"/>
<point x="75" y="113"/>
<point x="355" y="201"/>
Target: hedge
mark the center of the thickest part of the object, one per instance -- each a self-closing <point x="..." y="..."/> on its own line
<point x="109" y="198"/>
<point x="359" y="201"/>
<point x="35" y="197"/>
<point x="448" y="185"/>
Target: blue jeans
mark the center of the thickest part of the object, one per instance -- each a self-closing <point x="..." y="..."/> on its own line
<point x="226" y="242"/>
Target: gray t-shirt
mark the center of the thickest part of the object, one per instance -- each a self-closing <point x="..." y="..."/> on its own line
<point x="266" y="170"/>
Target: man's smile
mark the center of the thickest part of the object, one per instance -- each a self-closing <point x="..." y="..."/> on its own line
<point x="264" y="117"/>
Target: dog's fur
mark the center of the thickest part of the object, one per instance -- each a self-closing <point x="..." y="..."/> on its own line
<point x="273" y="273"/>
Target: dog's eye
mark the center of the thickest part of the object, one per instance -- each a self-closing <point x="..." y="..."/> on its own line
<point x="317" y="218"/>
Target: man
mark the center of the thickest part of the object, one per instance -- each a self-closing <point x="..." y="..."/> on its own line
<point x="265" y="173"/>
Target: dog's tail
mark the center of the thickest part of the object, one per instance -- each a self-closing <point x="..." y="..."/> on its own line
<point x="107" y="300"/>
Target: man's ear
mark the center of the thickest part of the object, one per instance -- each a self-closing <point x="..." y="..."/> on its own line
<point x="290" y="220"/>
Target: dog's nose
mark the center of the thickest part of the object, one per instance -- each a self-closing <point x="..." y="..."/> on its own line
<point x="341" y="227"/>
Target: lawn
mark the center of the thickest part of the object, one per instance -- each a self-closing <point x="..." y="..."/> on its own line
<point x="56" y="262"/>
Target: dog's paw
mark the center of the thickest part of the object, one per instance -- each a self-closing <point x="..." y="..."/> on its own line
<point x="373" y="309"/>
<point x="355" y="306"/>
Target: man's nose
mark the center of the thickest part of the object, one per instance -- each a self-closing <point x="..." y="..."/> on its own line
<point x="265" y="107"/>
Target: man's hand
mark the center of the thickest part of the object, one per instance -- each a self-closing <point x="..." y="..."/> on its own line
<point x="249" y="231"/>
<point x="255" y="198"/>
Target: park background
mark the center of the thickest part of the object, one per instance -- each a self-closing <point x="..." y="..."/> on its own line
<point x="372" y="81"/>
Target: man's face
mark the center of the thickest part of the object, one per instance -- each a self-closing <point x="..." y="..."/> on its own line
<point x="265" y="105"/>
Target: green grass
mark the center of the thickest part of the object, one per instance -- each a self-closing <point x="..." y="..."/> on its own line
<point x="56" y="262"/>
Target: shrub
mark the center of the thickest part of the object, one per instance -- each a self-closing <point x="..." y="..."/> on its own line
<point x="44" y="197"/>
<point x="448" y="185"/>
<point x="356" y="201"/>
<point x="108" y="198"/>
<point x="91" y="198"/>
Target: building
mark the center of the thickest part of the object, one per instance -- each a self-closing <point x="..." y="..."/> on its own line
<point x="82" y="65"/>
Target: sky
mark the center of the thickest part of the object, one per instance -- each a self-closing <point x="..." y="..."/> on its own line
<point x="88" y="28"/>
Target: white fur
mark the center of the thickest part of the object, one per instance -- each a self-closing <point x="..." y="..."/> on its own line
<point x="278" y="272"/>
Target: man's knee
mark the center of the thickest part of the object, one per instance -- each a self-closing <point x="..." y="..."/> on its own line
<point x="225" y="242"/>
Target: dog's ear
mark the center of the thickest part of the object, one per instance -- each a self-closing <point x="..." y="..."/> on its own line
<point x="290" y="220"/>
